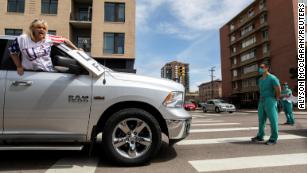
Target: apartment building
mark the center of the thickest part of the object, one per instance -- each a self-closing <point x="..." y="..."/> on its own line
<point x="178" y="72"/>
<point x="263" y="31"/>
<point x="210" y="90"/>
<point x="105" y="29"/>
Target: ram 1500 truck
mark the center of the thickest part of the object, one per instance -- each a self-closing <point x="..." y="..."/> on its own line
<point x="67" y="109"/>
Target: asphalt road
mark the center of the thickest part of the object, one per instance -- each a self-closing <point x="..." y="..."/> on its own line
<point x="218" y="143"/>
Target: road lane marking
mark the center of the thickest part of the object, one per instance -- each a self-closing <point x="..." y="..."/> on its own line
<point x="216" y="124"/>
<point x="207" y="121"/>
<point x="249" y="162"/>
<point x="223" y="129"/>
<point x="74" y="165"/>
<point x="231" y="140"/>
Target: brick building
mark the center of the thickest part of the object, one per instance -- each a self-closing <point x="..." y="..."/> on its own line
<point x="210" y="90"/>
<point x="265" y="30"/>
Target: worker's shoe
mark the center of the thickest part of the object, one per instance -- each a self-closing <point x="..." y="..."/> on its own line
<point x="257" y="139"/>
<point x="271" y="142"/>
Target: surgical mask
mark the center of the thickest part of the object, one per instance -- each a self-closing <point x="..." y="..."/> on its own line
<point x="260" y="71"/>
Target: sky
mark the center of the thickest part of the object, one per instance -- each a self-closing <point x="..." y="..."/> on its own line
<point x="182" y="30"/>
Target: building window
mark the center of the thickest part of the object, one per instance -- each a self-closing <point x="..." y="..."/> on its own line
<point x="249" y="83"/>
<point x="233" y="37"/>
<point x="248" y="42"/>
<point x="250" y="12"/>
<point x="248" y="55"/>
<point x="235" y="85"/>
<point x="265" y="48"/>
<point x="85" y="14"/>
<point x="265" y="34"/>
<point x="247" y="29"/>
<point x="234" y="62"/>
<point x="263" y="18"/>
<point x="84" y="43"/>
<point x="114" y="43"/>
<point x="114" y="12"/>
<point x="13" y="31"/>
<point x="49" y="7"/>
<point x="234" y="73"/>
<point x="232" y="27"/>
<point x="52" y="32"/>
<point x="233" y="50"/>
<point x="17" y="6"/>
<point x="250" y="69"/>
<point x="261" y="4"/>
<point x="241" y="19"/>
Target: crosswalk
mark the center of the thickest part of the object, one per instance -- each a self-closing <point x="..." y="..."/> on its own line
<point x="203" y="125"/>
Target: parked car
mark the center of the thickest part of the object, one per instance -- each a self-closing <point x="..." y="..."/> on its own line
<point x="218" y="105"/>
<point x="67" y="109"/>
<point x="189" y="106"/>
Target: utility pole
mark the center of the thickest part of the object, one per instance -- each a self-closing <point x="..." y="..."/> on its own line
<point x="212" y="70"/>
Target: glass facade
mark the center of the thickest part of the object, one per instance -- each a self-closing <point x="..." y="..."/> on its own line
<point x="17" y="6"/>
<point x="13" y="31"/>
<point x="114" y="12"/>
<point x="114" y="43"/>
<point x="49" y="7"/>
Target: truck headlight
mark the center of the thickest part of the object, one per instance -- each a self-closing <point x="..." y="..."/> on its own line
<point x="174" y="100"/>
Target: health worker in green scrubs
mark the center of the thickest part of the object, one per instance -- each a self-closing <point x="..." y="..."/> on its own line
<point x="270" y="90"/>
<point x="287" y="105"/>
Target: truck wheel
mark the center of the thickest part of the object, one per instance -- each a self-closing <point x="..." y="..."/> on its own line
<point x="217" y="110"/>
<point x="131" y="136"/>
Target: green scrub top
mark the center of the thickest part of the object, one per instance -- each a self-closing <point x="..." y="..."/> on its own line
<point x="266" y="86"/>
<point x="286" y="91"/>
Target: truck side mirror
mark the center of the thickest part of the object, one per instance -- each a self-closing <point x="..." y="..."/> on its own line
<point x="67" y="65"/>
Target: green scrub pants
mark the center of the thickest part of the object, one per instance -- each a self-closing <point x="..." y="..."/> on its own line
<point x="267" y="108"/>
<point x="288" y="107"/>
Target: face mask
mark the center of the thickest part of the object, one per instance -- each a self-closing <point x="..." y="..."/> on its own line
<point x="260" y="71"/>
<point x="286" y="86"/>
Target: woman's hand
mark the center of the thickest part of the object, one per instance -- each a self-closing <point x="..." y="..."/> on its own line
<point x="20" y="71"/>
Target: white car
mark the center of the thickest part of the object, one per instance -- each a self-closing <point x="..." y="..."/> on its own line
<point x="218" y="106"/>
<point x="67" y="109"/>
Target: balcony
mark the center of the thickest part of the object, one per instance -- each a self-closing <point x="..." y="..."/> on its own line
<point x="245" y="76"/>
<point x="245" y="90"/>
<point x="248" y="19"/>
<point x="249" y="47"/>
<point x="81" y="15"/>
<point x="265" y="24"/>
<point x="250" y="61"/>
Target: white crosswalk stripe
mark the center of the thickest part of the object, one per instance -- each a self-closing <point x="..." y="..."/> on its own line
<point x="232" y="140"/>
<point x="249" y="162"/>
<point x="216" y="124"/>
<point x="223" y="129"/>
<point x="73" y="165"/>
<point x="206" y="121"/>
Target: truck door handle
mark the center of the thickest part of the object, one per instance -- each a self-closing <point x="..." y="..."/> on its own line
<point x="22" y="83"/>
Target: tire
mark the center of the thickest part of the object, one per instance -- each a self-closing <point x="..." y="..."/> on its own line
<point x="217" y="109"/>
<point x="204" y="110"/>
<point x="121" y="126"/>
<point x="230" y="112"/>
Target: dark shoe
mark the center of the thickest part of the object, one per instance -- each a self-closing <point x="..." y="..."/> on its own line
<point x="257" y="139"/>
<point x="270" y="142"/>
<point x="287" y="123"/>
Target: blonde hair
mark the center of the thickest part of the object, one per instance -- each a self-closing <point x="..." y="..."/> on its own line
<point x="33" y="24"/>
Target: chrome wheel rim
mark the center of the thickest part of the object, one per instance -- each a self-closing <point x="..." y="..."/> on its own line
<point x="132" y="138"/>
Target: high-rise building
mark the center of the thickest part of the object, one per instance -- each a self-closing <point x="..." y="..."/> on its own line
<point x="178" y="72"/>
<point x="103" y="28"/>
<point x="210" y="90"/>
<point x="266" y="30"/>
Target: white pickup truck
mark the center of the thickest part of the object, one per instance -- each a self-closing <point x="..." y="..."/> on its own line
<point x="67" y="109"/>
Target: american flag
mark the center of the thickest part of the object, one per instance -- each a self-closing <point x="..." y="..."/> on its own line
<point x="56" y="39"/>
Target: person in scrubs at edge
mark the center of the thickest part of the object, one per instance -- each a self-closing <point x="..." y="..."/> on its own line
<point x="270" y="90"/>
<point x="287" y="105"/>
